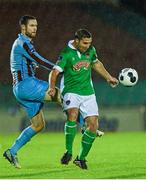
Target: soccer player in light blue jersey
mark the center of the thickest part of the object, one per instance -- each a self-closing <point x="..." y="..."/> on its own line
<point x="29" y="91"/>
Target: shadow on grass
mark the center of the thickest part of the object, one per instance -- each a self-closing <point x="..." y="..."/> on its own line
<point x="31" y="174"/>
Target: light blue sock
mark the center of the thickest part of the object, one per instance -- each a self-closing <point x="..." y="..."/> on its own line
<point x="24" y="137"/>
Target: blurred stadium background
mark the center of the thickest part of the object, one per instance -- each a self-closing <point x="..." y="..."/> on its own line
<point x="119" y="34"/>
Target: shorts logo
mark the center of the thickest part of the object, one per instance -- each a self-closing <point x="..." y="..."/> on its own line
<point x="67" y="102"/>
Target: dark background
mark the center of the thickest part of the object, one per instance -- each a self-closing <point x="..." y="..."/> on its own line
<point x="118" y="28"/>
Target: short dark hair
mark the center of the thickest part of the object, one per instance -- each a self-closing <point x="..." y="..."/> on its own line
<point x="82" y="33"/>
<point x="24" y="19"/>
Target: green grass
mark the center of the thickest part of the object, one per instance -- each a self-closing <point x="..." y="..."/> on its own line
<point x="116" y="155"/>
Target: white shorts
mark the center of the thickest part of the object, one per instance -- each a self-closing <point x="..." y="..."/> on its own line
<point x="87" y="105"/>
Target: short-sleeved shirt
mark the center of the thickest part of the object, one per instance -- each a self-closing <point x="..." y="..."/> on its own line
<point x="76" y="68"/>
<point x="28" y="90"/>
<point x="24" y="58"/>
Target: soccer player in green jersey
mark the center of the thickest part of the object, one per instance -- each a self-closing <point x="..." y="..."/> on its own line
<point x="76" y="61"/>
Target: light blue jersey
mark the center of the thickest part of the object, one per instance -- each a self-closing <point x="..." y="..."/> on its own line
<point x="24" y="58"/>
<point x="28" y="90"/>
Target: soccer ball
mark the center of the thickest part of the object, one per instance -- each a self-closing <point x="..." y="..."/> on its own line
<point x="128" y="77"/>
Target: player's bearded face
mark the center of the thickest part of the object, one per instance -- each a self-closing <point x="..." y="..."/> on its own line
<point x="84" y="44"/>
<point x="31" y="28"/>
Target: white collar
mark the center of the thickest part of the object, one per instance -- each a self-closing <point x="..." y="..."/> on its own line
<point x="72" y="47"/>
<point x="70" y="44"/>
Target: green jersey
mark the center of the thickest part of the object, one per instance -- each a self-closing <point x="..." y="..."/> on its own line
<point x="77" y="67"/>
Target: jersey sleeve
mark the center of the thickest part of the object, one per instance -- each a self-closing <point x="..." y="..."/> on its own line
<point x="94" y="57"/>
<point x="31" y="54"/>
<point x="61" y="63"/>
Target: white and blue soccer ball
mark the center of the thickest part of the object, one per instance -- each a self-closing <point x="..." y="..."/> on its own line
<point x="128" y="77"/>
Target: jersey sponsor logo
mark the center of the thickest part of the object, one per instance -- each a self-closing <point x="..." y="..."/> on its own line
<point x="82" y="64"/>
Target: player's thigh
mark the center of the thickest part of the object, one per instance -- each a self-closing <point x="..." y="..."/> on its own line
<point x="89" y="106"/>
<point x="71" y="100"/>
<point x="32" y="108"/>
<point x="71" y="103"/>
<point x="31" y="89"/>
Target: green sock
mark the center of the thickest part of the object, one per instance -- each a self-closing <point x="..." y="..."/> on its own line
<point x="70" y="132"/>
<point x="86" y="143"/>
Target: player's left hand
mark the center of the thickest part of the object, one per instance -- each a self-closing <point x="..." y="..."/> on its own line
<point x="113" y="81"/>
<point x="55" y="95"/>
<point x="52" y="92"/>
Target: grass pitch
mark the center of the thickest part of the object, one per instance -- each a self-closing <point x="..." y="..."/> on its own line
<point x="116" y="155"/>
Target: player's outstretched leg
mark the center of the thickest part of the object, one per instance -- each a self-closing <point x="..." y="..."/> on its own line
<point x="26" y="135"/>
<point x="11" y="154"/>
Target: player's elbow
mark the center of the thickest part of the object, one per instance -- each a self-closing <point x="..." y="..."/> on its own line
<point x="97" y="66"/>
<point x="55" y="72"/>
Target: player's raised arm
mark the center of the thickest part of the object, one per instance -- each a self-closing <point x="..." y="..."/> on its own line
<point x="100" y="69"/>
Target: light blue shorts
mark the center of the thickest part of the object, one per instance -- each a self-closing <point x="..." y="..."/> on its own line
<point x="81" y="120"/>
<point x="30" y="94"/>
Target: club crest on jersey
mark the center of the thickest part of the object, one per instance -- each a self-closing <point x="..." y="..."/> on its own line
<point x="87" y="54"/>
<point x="82" y="64"/>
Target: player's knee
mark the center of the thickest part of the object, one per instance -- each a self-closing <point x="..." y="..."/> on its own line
<point x="93" y="125"/>
<point x="41" y="127"/>
<point x="72" y="114"/>
<point x="38" y="126"/>
<point x="92" y="128"/>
